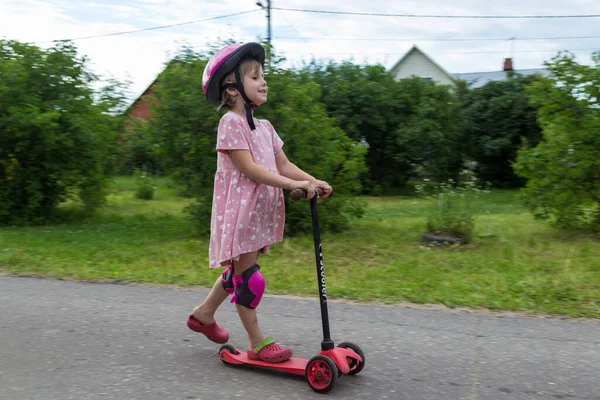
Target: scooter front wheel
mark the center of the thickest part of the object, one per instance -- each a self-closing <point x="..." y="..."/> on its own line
<point x="321" y="374"/>
<point x="355" y="365"/>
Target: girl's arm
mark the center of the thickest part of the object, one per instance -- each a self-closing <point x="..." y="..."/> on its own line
<point x="289" y="169"/>
<point x="244" y="161"/>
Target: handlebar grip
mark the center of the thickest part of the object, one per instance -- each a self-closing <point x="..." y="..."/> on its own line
<point x="299" y="193"/>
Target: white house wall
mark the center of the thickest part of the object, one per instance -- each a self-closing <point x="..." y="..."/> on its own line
<point x="416" y="64"/>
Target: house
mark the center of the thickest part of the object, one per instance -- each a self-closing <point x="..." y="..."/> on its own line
<point x="141" y="107"/>
<point x="417" y="63"/>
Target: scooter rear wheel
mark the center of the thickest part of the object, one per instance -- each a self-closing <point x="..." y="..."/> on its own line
<point x="226" y="347"/>
<point x="321" y="374"/>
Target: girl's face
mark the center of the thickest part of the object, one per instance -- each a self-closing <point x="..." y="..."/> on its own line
<point x="255" y="85"/>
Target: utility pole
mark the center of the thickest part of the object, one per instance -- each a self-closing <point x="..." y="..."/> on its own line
<point x="268" y="9"/>
<point x="269" y="22"/>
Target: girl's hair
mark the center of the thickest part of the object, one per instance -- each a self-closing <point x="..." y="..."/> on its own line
<point x="247" y="65"/>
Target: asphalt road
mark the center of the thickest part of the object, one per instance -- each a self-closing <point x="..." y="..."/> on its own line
<point x="69" y="340"/>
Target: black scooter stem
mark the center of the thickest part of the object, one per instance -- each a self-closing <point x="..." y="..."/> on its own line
<point x="327" y="343"/>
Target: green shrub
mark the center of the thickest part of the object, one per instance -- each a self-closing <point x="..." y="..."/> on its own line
<point x="451" y="205"/>
<point x="200" y="212"/>
<point x="144" y="186"/>
<point x="57" y="133"/>
<point x="563" y="170"/>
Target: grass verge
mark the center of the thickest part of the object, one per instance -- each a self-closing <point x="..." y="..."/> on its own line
<point x="515" y="264"/>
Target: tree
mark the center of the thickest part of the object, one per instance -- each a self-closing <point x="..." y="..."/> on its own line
<point x="136" y="150"/>
<point x="563" y="170"/>
<point x="316" y="144"/>
<point x="404" y="124"/>
<point x="185" y="126"/>
<point x="496" y="119"/>
<point x="429" y="132"/>
<point x="56" y="132"/>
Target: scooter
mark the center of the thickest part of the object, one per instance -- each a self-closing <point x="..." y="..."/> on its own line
<point x="331" y="362"/>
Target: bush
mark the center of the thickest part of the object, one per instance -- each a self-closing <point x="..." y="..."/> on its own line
<point x="57" y="135"/>
<point x="451" y="205"/>
<point x="334" y="214"/>
<point x="144" y="186"/>
<point x="144" y="192"/>
<point x="137" y="150"/>
<point x="563" y="170"/>
<point x="200" y="212"/>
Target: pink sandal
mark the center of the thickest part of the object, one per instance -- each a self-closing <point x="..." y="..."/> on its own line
<point x="212" y="331"/>
<point x="271" y="352"/>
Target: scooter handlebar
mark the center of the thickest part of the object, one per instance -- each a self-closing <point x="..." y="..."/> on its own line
<point x="299" y="193"/>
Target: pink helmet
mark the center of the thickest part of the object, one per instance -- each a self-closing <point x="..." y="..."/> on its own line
<point x="224" y="62"/>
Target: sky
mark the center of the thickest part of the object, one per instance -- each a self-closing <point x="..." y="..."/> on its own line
<point x="139" y="57"/>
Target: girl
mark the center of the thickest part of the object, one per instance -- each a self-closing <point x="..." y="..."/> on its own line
<point x="248" y="204"/>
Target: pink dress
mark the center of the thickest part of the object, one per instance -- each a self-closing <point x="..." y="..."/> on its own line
<point x="246" y="216"/>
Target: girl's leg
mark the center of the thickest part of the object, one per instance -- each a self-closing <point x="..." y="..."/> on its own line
<point x="250" y="322"/>
<point x="205" y="312"/>
<point x="269" y="351"/>
<point x="247" y="315"/>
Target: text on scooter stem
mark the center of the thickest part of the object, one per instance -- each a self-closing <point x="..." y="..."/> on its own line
<point x="322" y="275"/>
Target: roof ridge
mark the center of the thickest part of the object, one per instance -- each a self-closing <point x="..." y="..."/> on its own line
<point x="496" y="71"/>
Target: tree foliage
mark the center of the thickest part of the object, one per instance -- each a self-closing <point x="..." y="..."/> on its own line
<point x="563" y="170"/>
<point x="429" y="133"/>
<point x="136" y="149"/>
<point x="183" y="125"/>
<point x="406" y="124"/>
<point x="496" y="118"/>
<point x="56" y="131"/>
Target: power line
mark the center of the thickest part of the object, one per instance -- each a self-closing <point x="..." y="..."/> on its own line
<point x="437" y="16"/>
<point x="448" y="53"/>
<point x="154" y="27"/>
<point x="437" y="39"/>
<point x="522" y="51"/>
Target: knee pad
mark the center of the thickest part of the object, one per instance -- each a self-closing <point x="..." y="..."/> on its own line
<point x="227" y="279"/>
<point x="249" y="287"/>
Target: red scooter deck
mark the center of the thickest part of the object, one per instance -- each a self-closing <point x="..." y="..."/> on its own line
<point x="297" y="366"/>
<point x="294" y="366"/>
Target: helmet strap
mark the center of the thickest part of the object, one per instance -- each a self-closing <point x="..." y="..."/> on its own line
<point x="249" y="106"/>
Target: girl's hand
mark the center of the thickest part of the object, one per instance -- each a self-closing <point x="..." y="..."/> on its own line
<point x="325" y="186"/>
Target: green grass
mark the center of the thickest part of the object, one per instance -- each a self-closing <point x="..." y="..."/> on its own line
<point x="515" y="263"/>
